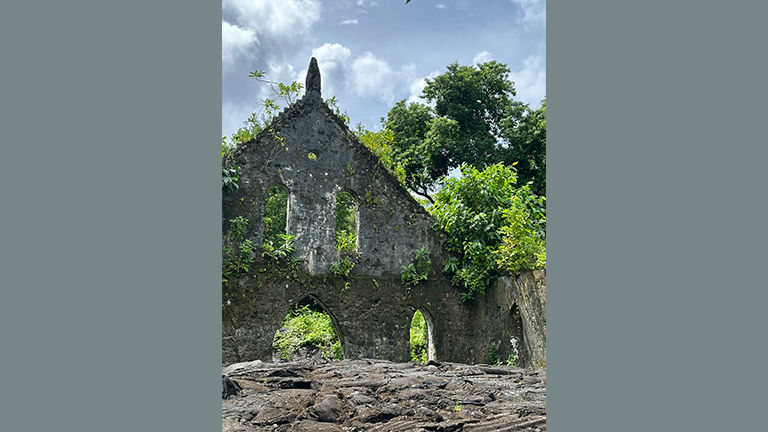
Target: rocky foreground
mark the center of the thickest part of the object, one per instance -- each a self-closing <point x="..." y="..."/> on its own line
<point x="377" y="395"/>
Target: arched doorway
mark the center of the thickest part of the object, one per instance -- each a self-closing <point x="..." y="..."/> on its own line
<point x="421" y="346"/>
<point x="307" y="331"/>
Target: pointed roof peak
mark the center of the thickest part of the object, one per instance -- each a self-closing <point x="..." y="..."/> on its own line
<point x="312" y="83"/>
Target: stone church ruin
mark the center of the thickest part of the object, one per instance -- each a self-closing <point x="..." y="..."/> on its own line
<point x="310" y="155"/>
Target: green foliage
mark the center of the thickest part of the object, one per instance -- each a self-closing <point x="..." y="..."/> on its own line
<point x="277" y="245"/>
<point x="481" y="214"/>
<point x="380" y="143"/>
<point x="521" y="247"/>
<point x="333" y="105"/>
<point x="512" y="360"/>
<point x="278" y="248"/>
<point x="304" y="327"/>
<point x="418" y="270"/>
<point x="230" y="172"/>
<point x="346" y="223"/>
<point x="287" y="93"/>
<point x="346" y="242"/>
<point x="237" y="251"/>
<point x="417" y="147"/>
<point x="475" y="121"/>
<point x="251" y="127"/>
<point x="342" y="268"/>
<point x="282" y="94"/>
<point x="346" y="234"/>
<point x="527" y="138"/>
<point x="493" y="354"/>
<point x="418" y="344"/>
<point x="275" y="213"/>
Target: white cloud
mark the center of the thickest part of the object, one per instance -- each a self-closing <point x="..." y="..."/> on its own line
<point x="375" y="78"/>
<point x="417" y="86"/>
<point x="275" y="19"/>
<point x="531" y="80"/>
<point x="367" y="3"/>
<point x="349" y="21"/>
<point x="372" y="77"/>
<point x="440" y="6"/>
<point x="331" y="56"/>
<point x="235" y="41"/>
<point x="482" y="57"/>
<point x="532" y="12"/>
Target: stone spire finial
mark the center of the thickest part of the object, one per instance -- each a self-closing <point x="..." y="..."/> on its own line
<point x="313" y="79"/>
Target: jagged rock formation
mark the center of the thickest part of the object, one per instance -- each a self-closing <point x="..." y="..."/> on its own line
<point x="377" y="395"/>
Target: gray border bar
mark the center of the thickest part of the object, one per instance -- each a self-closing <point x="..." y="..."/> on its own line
<point x="656" y="154"/>
<point x="110" y="186"/>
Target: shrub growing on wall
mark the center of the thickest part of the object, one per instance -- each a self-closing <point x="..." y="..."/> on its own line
<point x="491" y="225"/>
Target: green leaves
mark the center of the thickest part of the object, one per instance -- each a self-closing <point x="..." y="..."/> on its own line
<point x="304" y="327"/>
<point x="418" y="270"/>
<point x="230" y="172"/>
<point x="475" y="121"/>
<point x="275" y="213"/>
<point x="237" y="251"/>
<point x="491" y="226"/>
<point x="342" y="268"/>
<point x="418" y="340"/>
<point x="278" y="248"/>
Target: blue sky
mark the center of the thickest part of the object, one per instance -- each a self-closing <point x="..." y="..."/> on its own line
<point x="373" y="53"/>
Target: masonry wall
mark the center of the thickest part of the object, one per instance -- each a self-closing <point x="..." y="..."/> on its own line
<point x="315" y="157"/>
<point x="311" y="153"/>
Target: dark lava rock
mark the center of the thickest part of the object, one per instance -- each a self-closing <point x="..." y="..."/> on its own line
<point x="377" y="395"/>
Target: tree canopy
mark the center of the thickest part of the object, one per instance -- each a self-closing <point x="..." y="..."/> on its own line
<point x="472" y="118"/>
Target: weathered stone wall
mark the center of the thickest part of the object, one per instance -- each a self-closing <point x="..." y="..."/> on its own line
<point x="515" y="307"/>
<point x="312" y="154"/>
<point x="315" y="158"/>
<point x="373" y="315"/>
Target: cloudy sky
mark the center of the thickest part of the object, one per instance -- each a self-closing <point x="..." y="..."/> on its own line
<point x="373" y="53"/>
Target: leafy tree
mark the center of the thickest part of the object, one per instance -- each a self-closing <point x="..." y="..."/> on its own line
<point x="491" y="226"/>
<point x="420" y="145"/>
<point x="475" y="121"/>
<point x="478" y="98"/>
<point x="528" y="144"/>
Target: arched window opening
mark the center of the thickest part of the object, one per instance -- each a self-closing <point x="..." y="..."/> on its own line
<point x="275" y="218"/>
<point x="421" y="346"/>
<point x="346" y="223"/>
<point x="307" y="331"/>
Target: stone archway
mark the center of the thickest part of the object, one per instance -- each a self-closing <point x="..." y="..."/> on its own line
<point x="308" y="330"/>
<point x="422" y="335"/>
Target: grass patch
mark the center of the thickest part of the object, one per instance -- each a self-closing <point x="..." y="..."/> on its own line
<point x="304" y="327"/>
